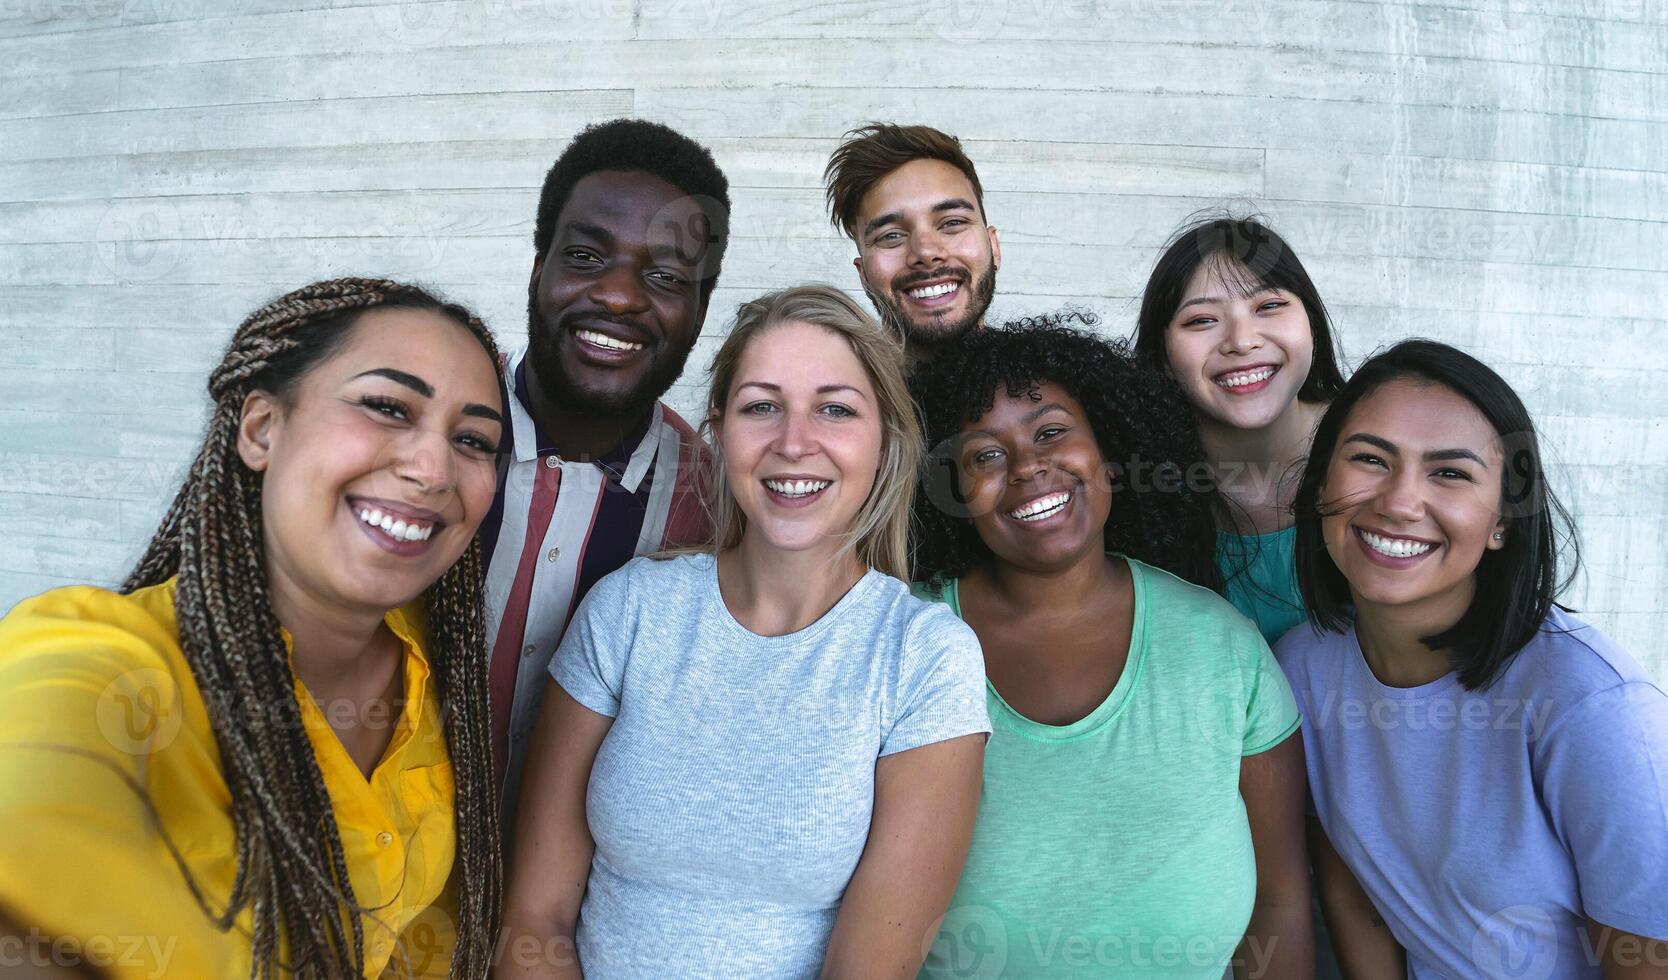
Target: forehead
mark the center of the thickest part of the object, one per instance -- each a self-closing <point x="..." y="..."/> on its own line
<point x="634" y="207"/>
<point x="1221" y="275"/>
<point x="914" y="187"/>
<point x="1011" y="410"/>
<point x="425" y="343"/>
<point x="1420" y="415"/>
<point x="801" y="355"/>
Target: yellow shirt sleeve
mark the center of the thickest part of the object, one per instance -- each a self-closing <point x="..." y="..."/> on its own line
<point x="89" y="691"/>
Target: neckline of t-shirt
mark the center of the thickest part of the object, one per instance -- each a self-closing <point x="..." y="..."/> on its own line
<point x="1442" y="685"/>
<point x="823" y="622"/>
<point x="1105" y="712"/>
<point x="1222" y="536"/>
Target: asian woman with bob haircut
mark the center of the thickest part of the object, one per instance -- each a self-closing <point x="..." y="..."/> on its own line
<point x="1489" y="774"/>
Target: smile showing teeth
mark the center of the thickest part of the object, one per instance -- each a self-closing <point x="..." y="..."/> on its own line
<point x="399" y="530"/>
<point x="930" y="292"/>
<point x="1040" y="508"/>
<point x="603" y="340"/>
<point x="797" y="488"/>
<point x="1394" y="547"/>
<point x="1243" y="378"/>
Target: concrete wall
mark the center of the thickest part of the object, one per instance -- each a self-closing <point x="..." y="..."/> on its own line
<point x="1488" y="172"/>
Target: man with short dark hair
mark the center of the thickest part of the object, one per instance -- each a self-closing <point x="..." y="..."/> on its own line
<point x="631" y="231"/>
<point x="910" y="199"/>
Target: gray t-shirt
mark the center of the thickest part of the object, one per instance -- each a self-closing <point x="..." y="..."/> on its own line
<point x="731" y="799"/>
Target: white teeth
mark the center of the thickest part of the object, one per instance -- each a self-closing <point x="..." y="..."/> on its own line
<point x="398" y="530"/>
<point x="942" y="289"/>
<point x="1249" y="378"/>
<point x="1394" y="547"/>
<point x="603" y="340"/>
<point x="1042" y="507"/>
<point x="797" y="488"/>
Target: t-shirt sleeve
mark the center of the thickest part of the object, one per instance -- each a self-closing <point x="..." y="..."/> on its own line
<point x="1271" y="714"/>
<point x="1604" y="779"/>
<point x="86" y="698"/>
<point x="941" y="683"/>
<point x="590" y="661"/>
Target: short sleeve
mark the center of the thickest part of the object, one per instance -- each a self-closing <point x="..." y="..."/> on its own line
<point x="1604" y="779"/>
<point x="590" y="661"/>
<point x="84" y="704"/>
<point x="1271" y="714"/>
<point x="941" y="683"/>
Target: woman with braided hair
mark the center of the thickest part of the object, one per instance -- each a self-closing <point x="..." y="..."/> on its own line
<point x="267" y="753"/>
<point x="1142" y="811"/>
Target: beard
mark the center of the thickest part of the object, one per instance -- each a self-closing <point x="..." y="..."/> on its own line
<point x="573" y="394"/>
<point x="937" y="331"/>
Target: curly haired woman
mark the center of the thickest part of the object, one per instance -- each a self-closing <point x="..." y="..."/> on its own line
<point x="241" y="756"/>
<point x="1142" y="812"/>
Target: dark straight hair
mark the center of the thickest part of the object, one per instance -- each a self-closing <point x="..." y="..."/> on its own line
<point x="1253" y="257"/>
<point x="1517" y="585"/>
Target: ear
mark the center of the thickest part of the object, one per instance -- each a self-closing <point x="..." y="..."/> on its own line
<point x="1497" y="535"/>
<point x="255" y="427"/>
<point x="533" y="280"/>
<point x="995" y="247"/>
<point x="857" y="263"/>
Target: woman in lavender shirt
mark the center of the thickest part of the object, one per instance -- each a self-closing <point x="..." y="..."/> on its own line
<point x="1489" y="774"/>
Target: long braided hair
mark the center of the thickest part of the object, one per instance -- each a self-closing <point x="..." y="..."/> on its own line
<point x="290" y="863"/>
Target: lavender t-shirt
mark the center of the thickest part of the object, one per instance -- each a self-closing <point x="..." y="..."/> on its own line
<point x="1487" y="826"/>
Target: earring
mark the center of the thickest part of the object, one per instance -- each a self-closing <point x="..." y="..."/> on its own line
<point x="1498" y="536"/>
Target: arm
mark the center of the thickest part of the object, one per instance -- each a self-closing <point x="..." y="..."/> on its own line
<point x="1366" y="949"/>
<point x="925" y="802"/>
<point x="1626" y="955"/>
<point x="1279" y="942"/>
<point x="553" y="846"/>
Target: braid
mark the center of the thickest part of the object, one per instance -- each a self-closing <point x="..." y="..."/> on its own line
<point x="290" y="863"/>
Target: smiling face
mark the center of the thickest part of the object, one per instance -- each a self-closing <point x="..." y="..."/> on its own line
<point x="926" y="257"/>
<point x="1035" y="480"/>
<point x="801" y="438"/>
<point x="379" y="465"/>
<point x="1412" y="500"/>
<point x="615" y="304"/>
<point x="1241" y="359"/>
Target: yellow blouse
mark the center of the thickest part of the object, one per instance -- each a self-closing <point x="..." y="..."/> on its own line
<point x="99" y="711"/>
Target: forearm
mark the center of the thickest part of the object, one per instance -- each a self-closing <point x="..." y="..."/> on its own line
<point x="1279" y="942"/>
<point x="1365" y="947"/>
<point x="532" y="948"/>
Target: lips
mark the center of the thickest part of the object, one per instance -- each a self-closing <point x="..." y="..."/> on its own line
<point x="1245" y="380"/>
<point x="607" y="341"/>
<point x="396" y="527"/>
<point x="937" y="291"/>
<point x="1041" y="507"/>
<point x="1392" y="551"/>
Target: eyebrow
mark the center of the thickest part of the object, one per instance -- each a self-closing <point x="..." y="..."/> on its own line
<point x="423" y="388"/>
<point x="821" y="389"/>
<point x="589" y="230"/>
<point x="1202" y="300"/>
<point x="1436" y="455"/>
<point x="948" y="204"/>
<point x="1040" y="411"/>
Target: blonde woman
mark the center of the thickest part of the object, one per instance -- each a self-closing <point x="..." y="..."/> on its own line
<point x="762" y="759"/>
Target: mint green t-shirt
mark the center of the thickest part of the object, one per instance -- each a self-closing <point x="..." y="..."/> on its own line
<point x="1118" y="845"/>
<point x="1262" y="579"/>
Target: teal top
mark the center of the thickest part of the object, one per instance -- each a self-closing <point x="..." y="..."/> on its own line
<point x="1118" y="845"/>
<point x="1262" y="579"/>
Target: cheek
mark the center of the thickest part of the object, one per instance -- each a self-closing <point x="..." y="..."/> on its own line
<point x="1185" y="352"/>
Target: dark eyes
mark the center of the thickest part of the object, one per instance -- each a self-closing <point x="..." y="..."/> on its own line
<point x="580" y="256"/>
<point x="393" y="408"/>
<point x="1446" y="472"/>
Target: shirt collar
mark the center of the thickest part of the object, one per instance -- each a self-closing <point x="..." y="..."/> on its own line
<point x="625" y="464"/>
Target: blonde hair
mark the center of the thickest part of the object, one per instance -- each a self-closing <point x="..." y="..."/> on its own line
<point x="880" y="534"/>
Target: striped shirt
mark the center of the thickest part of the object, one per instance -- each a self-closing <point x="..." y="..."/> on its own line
<point x="556" y="527"/>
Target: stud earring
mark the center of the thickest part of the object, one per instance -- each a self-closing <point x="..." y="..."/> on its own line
<point x="1498" y="536"/>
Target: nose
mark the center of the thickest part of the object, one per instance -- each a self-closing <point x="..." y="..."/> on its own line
<point x="1240" y="334"/>
<point x="423" y="461"/>
<point x="927" y="248"/>
<point x="1400" y="497"/>
<point x="794" y="438"/>
<point x="1028" y="464"/>
<point x="619" y="290"/>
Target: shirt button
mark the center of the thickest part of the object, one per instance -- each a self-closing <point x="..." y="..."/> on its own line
<point x="527" y="651"/>
<point x="553" y="554"/>
<point x="552" y="462"/>
<point x="384" y="839"/>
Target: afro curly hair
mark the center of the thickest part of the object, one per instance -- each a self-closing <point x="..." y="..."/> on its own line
<point x="637" y="144"/>
<point x="1163" y="501"/>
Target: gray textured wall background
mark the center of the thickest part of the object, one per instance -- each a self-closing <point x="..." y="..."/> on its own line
<point x="1488" y="172"/>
